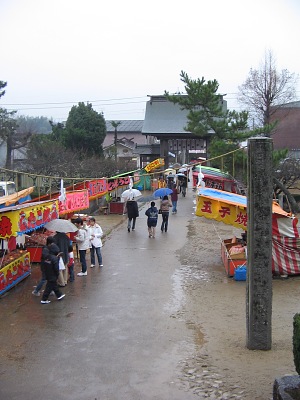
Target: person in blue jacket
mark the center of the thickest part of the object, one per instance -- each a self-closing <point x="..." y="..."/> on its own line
<point x="152" y="214"/>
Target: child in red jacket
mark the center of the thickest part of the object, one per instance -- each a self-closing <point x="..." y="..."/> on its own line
<point x="71" y="263"/>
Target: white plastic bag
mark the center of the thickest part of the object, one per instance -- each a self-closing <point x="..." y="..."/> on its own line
<point x="61" y="264"/>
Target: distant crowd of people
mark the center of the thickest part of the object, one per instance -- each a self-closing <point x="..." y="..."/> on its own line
<point x="57" y="260"/>
<point x="166" y="202"/>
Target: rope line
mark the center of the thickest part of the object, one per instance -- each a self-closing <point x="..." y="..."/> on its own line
<point x="95" y="178"/>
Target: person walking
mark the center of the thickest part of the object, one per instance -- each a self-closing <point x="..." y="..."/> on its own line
<point x="83" y="242"/>
<point x="71" y="263"/>
<point x="152" y="214"/>
<point x="96" y="233"/>
<point x="165" y="205"/>
<point x="50" y="257"/>
<point x="183" y="186"/>
<point x="36" y="291"/>
<point x="63" y="241"/>
<point x="132" y="213"/>
<point x="174" y="199"/>
<point x="53" y="249"/>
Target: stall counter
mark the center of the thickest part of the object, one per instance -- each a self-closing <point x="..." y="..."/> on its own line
<point x="116" y="207"/>
<point x="12" y="273"/>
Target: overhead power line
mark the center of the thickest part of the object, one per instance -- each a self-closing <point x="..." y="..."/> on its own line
<point x="72" y="102"/>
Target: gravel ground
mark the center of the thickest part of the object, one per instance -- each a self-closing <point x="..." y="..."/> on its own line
<point x="215" y="309"/>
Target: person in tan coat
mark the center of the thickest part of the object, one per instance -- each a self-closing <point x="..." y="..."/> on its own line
<point x="165" y="205"/>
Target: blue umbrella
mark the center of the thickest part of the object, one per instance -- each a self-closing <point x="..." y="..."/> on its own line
<point x="162" y="192"/>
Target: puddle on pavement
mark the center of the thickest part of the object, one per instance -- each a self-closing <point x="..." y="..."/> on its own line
<point x="178" y="296"/>
<point x="178" y="300"/>
<point x="199" y="337"/>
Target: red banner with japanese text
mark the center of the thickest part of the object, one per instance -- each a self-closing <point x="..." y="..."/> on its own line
<point x="75" y="201"/>
<point x="115" y="183"/>
<point x="97" y="188"/>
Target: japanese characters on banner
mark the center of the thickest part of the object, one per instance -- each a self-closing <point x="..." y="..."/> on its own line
<point x="14" y="272"/>
<point x="159" y="162"/>
<point x="96" y="188"/>
<point x="117" y="182"/>
<point x="222" y="212"/>
<point x="99" y="187"/>
<point x="21" y="219"/>
<point x="75" y="201"/>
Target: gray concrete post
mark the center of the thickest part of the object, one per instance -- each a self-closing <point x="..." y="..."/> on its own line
<point x="259" y="244"/>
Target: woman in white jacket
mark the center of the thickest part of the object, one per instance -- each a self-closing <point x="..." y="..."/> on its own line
<point x="96" y="234"/>
<point x="83" y="243"/>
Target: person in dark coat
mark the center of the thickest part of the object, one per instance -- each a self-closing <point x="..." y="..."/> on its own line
<point x="63" y="241"/>
<point x="49" y="264"/>
<point x="152" y="214"/>
<point x="132" y="213"/>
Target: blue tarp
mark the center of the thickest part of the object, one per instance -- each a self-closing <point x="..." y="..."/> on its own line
<point x="224" y="196"/>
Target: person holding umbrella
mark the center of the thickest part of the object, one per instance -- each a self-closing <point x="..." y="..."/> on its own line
<point x="165" y="204"/>
<point x="132" y="213"/>
<point x="63" y="242"/>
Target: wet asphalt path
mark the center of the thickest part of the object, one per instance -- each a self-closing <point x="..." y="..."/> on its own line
<point x="113" y="336"/>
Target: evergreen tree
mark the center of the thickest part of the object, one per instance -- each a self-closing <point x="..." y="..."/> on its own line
<point x="85" y="130"/>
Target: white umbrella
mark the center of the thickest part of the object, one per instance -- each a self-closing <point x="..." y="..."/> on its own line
<point x="131" y="193"/>
<point x="61" y="225"/>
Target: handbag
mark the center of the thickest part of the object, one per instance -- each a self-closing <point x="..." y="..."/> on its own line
<point x="61" y="264"/>
<point x="159" y="211"/>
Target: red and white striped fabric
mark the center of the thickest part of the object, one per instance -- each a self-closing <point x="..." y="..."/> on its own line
<point x="284" y="226"/>
<point x="285" y="246"/>
<point x="285" y="255"/>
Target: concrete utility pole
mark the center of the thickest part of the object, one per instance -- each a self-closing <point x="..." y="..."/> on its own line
<point x="115" y="124"/>
<point x="259" y="244"/>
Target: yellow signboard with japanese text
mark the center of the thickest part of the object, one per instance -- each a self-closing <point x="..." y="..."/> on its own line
<point x="14" y="272"/>
<point x="223" y="212"/>
<point x="21" y="219"/>
<point x="159" y="162"/>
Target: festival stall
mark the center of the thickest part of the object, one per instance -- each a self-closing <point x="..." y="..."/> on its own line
<point x="15" y="223"/>
<point x="68" y="204"/>
<point x="231" y="208"/>
<point x="215" y="178"/>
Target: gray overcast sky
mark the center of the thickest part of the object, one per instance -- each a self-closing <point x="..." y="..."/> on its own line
<point x="114" y="53"/>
